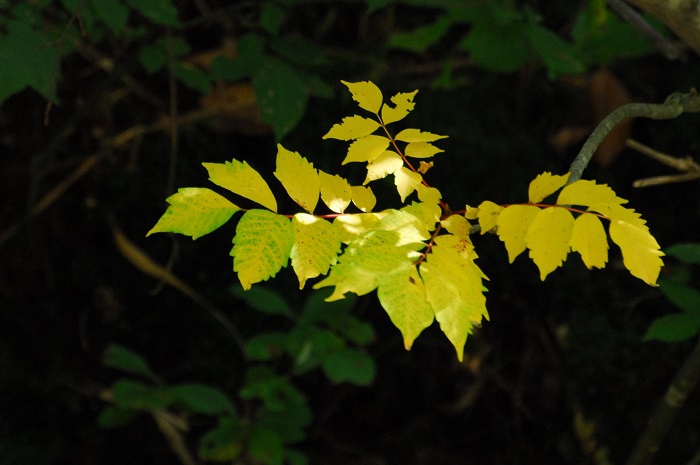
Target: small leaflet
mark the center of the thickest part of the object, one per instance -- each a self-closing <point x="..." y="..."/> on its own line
<point x="352" y="127"/>
<point x="548" y="239"/>
<point x="513" y="224"/>
<point x="487" y="215"/>
<point x="424" y="167"/>
<point x="385" y="164"/>
<point x="544" y="185"/>
<point x="241" y="179"/>
<point x="366" y="94"/>
<point x="403" y="104"/>
<point x="457" y="225"/>
<point x="421" y="150"/>
<point x="416" y="135"/>
<point x="261" y="246"/>
<point x="406" y="182"/>
<point x="584" y="192"/>
<point x="335" y="192"/>
<point x="316" y="247"/>
<point x="366" y="149"/>
<point x="589" y="239"/>
<point x="194" y="212"/>
<point x="299" y="178"/>
<point x="363" y="198"/>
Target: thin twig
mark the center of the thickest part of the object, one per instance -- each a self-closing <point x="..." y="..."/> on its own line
<point x="690" y="170"/>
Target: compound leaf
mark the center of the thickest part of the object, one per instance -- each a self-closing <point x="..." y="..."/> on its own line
<point x="513" y="224"/>
<point x="261" y="246"/>
<point x="640" y="251"/>
<point x="335" y="192"/>
<point x="316" y="246"/>
<point x="548" y="238"/>
<point x="403" y="102"/>
<point x="366" y="149"/>
<point x="544" y="185"/>
<point x="194" y="211"/>
<point x="299" y="178"/>
<point x="352" y="127"/>
<point x="240" y="178"/>
<point x="584" y="192"/>
<point x="388" y="162"/>
<point x="416" y="135"/>
<point x="366" y="94"/>
<point x="588" y="238"/>
<point x="402" y="295"/>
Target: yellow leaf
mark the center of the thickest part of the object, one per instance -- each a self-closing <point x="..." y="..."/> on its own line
<point x="406" y="181"/>
<point x="487" y="215"/>
<point x="352" y="127"/>
<point x="462" y="245"/>
<point x="386" y="163"/>
<point x="366" y="149"/>
<point x="617" y="212"/>
<point x="428" y="213"/>
<point x="410" y="228"/>
<point x="548" y="239"/>
<point x="416" y="135"/>
<point x="261" y="246"/>
<point x="588" y="238"/>
<point x="363" y="198"/>
<point x="299" y="178"/>
<point x="424" y="167"/>
<point x="457" y="225"/>
<point x="194" y="211"/>
<point x="421" y="150"/>
<point x="545" y="184"/>
<point x="583" y="192"/>
<point x="350" y="227"/>
<point x="366" y="94"/>
<point x="316" y="246"/>
<point x="640" y="251"/>
<point x="335" y="192"/>
<point x="472" y="213"/>
<point x="513" y="224"/>
<point x="243" y="180"/>
<point x="402" y="295"/>
<point x="403" y="105"/>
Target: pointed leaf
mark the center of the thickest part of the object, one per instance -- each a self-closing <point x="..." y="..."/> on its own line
<point x="421" y="150"/>
<point x="588" y="238"/>
<point x="363" y="198"/>
<point x="261" y="246"/>
<point x="416" y="135"/>
<point x="544" y="185"/>
<point x="366" y="94"/>
<point x="685" y="252"/>
<point x="352" y="127"/>
<point x="402" y="295"/>
<point x="462" y="245"/>
<point x="116" y="356"/>
<point x="487" y="215"/>
<point x="241" y="179"/>
<point x="204" y="399"/>
<point x="583" y="192"/>
<point x="349" y="365"/>
<point x="513" y="224"/>
<point x="299" y="178"/>
<point x="617" y="212"/>
<point x="388" y="162"/>
<point x="335" y="192"/>
<point x="403" y="104"/>
<point x="640" y="251"/>
<point x="548" y="239"/>
<point x="366" y="149"/>
<point x="316" y="247"/>
<point x="350" y="227"/>
<point x="194" y="211"/>
<point x="675" y="327"/>
<point x="406" y="182"/>
<point x="457" y="225"/>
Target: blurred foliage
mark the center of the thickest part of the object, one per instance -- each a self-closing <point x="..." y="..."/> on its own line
<point x="237" y="77"/>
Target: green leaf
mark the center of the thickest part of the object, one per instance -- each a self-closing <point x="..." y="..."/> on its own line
<point x="194" y="212"/>
<point x="193" y="78"/>
<point x="261" y="246"/>
<point x="264" y="300"/>
<point x="351" y="366"/>
<point x="241" y="179"/>
<point x="276" y="392"/>
<point x="674" y="328"/>
<point x="265" y="446"/>
<point x="495" y="46"/>
<point x="298" y="50"/>
<point x="281" y="95"/>
<point x="558" y="56"/>
<point x="271" y="18"/>
<point x="684" y="297"/>
<point x="112" y="417"/>
<point x="138" y="396"/>
<point x="113" y="14"/>
<point x="203" y="399"/>
<point x="251" y="56"/>
<point x="421" y="38"/>
<point x="266" y="346"/>
<point x="159" y="11"/>
<point x="121" y="358"/>
<point x="686" y="253"/>
<point x="224" y="443"/>
<point x="290" y="424"/>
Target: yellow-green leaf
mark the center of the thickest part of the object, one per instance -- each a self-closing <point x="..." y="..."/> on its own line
<point x="454" y="289"/>
<point x="421" y="150"/>
<point x="457" y="225"/>
<point x="350" y="227"/>
<point x="316" y="246"/>
<point x="640" y="251"/>
<point x="583" y="192"/>
<point x="588" y="238"/>
<point x="385" y="164"/>
<point x="335" y="192"/>
<point x="402" y="295"/>
<point x="363" y="198"/>
<point x="366" y="149"/>
<point x="548" y="239"/>
<point x="513" y="224"/>
<point x="403" y="104"/>
<point x="410" y="228"/>
<point x="299" y="178"/>
<point x="194" y="211"/>
<point x="416" y="135"/>
<point x="366" y="94"/>
<point x="544" y="185"/>
<point x="461" y="245"/>
<point x="261" y="246"/>
<point x="406" y="181"/>
<point x="241" y="179"/>
<point x="487" y="215"/>
<point x="352" y="127"/>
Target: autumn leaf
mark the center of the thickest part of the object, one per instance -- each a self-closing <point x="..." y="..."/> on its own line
<point x="241" y="179"/>
<point x="316" y="246"/>
<point x="335" y="192"/>
<point x="588" y="238"/>
<point x="487" y="215"/>
<point x="366" y="149"/>
<point x="544" y="185"/>
<point x="366" y="94"/>
<point x="299" y="178"/>
<point x="363" y="198"/>
<point x="352" y="127"/>
<point x="403" y="104"/>
<point x="548" y="238"/>
<point x="513" y="224"/>
<point x="416" y="135"/>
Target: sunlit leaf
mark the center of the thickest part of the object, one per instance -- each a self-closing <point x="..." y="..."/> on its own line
<point x="406" y="181"/>
<point x="421" y="150"/>
<point x="335" y="192"/>
<point x="548" y="238"/>
<point x="388" y="162"/>
<point x="403" y="104"/>
<point x="513" y="224"/>
<point x="487" y="215"/>
<point x="366" y="149"/>
<point x="299" y="178"/>
<point x="352" y="127"/>
<point x="366" y="94"/>
<point x="588" y="238"/>
<point x="316" y="246"/>
<point x="640" y="251"/>
<point x="544" y="185"/>
<point x="241" y="179"/>
<point x="416" y="135"/>
<point x="584" y="192"/>
<point x="363" y="198"/>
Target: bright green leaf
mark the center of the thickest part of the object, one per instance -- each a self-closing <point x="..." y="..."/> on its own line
<point x="674" y="328"/>
<point x="241" y="179"/>
<point x="684" y="297"/>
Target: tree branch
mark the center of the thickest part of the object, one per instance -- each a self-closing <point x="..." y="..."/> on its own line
<point x="681" y="16"/>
